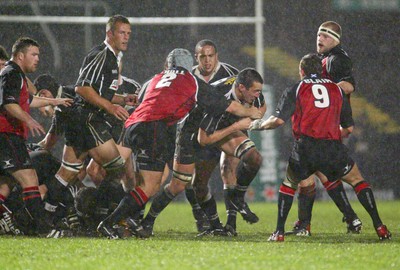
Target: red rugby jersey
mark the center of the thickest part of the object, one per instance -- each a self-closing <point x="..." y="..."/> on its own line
<point x="170" y="95"/>
<point x="15" y="90"/>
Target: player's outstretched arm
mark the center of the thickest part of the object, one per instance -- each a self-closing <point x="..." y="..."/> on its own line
<point x="91" y="96"/>
<point x="206" y="139"/>
<point x="38" y="102"/>
<point x="271" y="123"/>
<point x="17" y="112"/>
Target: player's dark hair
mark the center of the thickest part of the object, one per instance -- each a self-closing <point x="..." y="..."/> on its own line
<point x="114" y="20"/>
<point x="247" y="77"/>
<point x="311" y="64"/>
<point x="205" y="42"/>
<point x="46" y="81"/>
<point x="3" y="53"/>
<point x="22" y="44"/>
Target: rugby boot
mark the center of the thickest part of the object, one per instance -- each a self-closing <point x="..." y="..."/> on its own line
<point x="215" y="231"/>
<point x="202" y="223"/>
<point x="277" y="236"/>
<point x="230" y="230"/>
<point x="354" y="225"/>
<point x="300" y="229"/>
<point x="383" y="233"/>
<point x="8" y="224"/>
<point x="137" y="229"/>
<point x="107" y="231"/>
<point x="243" y="208"/>
<point x="148" y="227"/>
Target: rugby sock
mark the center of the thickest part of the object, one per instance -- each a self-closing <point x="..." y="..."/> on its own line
<point x="209" y="207"/>
<point x="306" y="200"/>
<point x="285" y="200"/>
<point x="229" y="192"/>
<point x="33" y="202"/>
<point x="159" y="203"/>
<point x="338" y="195"/>
<point x="191" y="197"/>
<point x="130" y="205"/>
<point x="58" y="192"/>
<point x="245" y="174"/>
<point x="366" y="198"/>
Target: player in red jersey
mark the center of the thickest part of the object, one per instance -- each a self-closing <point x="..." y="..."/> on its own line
<point x="321" y="115"/>
<point x="337" y="66"/>
<point x="15" y="123"/>
<point x="150" y="130"/>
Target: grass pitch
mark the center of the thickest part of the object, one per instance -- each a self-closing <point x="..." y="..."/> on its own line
<point x="175" y="246"/>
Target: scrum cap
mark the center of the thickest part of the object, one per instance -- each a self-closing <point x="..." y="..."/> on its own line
<point x="180" y="58"/>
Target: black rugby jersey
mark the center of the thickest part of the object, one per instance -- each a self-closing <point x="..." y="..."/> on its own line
<point x="100" y="70"/>
<point x="211" y="123"/>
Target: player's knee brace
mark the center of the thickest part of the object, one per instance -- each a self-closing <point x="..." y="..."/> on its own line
<point x="72" y="167"/>
<point x="115" y="164"/>
<point x="184" y="177"/>
<point x="243" y="148"/>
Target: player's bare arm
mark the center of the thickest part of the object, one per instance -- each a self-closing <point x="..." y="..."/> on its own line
<point x="17" y="112"/>
<point x="347" y="87"/>
<point x="91" y="96"/>
<point x="238" y="109"/>
<point x="206" y="139"/>
<point x="38" y="102"/>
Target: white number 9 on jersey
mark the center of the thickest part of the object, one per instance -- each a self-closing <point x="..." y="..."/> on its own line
<point x="166" y="80"/>
<point x="321" y="96"/>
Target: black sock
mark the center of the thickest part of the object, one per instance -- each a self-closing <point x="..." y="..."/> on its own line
<point x="229" y="192"/>
<point x="191" y="197"/>
<point x="246" y="173"/>
<point x="33" y="202"/>
<point x="366" y="198"/>
<point x="306" y="200"/>
<point x="210" y="209"/>
<point x="338" y="195"/>
<point x="285" y="200"/>
<point x="58" y="192"/>
<point x="159" y="203"/>
<point x="129" y="206"/>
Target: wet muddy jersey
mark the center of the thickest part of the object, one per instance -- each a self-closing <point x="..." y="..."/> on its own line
<point x="211" y="123"/>
<point x="171" y="94"/>
<point x="337" y="66"/>
<point x="100" y="70"/>
<point x="14" y="88"/>
<point x="317" y="109"/>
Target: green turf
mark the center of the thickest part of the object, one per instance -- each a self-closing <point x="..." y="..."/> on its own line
<point x="175" y="247"/>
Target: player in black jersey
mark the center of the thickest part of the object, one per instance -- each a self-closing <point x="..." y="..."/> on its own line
<point x="245" y="88"/>
<point x="210" y="70"/>
<point x="87" y="131"/>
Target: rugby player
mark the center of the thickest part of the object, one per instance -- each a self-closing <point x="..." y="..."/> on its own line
<point x="321" y="116"/>
<point x="150" y="130"/>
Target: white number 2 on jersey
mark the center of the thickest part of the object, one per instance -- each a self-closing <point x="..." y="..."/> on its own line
<point x="321" y="96"/>
<point x="166" y="80"/>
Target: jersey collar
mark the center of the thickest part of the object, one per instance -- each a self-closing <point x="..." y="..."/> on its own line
<point x="119" y="55"/>
<point x="198" y="74"/>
